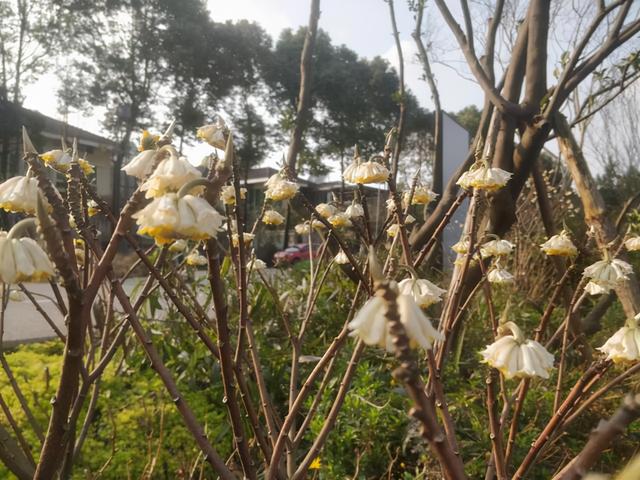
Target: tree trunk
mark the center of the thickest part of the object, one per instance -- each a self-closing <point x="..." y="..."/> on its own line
<point x="595" y="210"/>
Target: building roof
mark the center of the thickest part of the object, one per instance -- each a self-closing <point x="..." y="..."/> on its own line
<point x="13" y="117"/>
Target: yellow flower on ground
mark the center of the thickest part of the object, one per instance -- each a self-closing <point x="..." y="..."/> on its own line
<point x="608" y="273"/>
<point x="483" y="177"/>
<point x="632" y="243"/>
<point x="560" y="245"/>
<point x="214" y="134"/>
<point x="339" y="220"/>
<point x="496" y="248"/>
<point x="517" y="357"/>
<point x="228" y="194"/>
<point x="271" y="217"/>
<point x="325" y="210"/>
<point x="171" y="174"/>
<point x="354" y="210"/>
<point x="423" y="291"/>
<point x="247" y="237"/>
<point x="303" y="228"/>
<point x="169" y="218"/>
<point x="19" y="195"/>
<point x="371" y="326"/>
<point x="23" y="260"/>
<point x="57" y="159"/>
<point x="147" y="141"/>
<point x="141" y="165"/>
<point x="279" y="188"/>
<point x="195" y="259"/>
<point x="421" y="196"/>
<point x="624" y="345"/>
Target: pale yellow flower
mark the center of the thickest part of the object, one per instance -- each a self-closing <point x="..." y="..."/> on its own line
<point x="500" y="276"/>
<point x="23" y="260"/>
<point x="421" y="196"/>
<point x="303" y="228"/>
<point x="19" y="194"/>
<point x="423" y="291"/>
<point x="271" y="217"/>
<point x="341" y="258"/>
<point x="560" y="245"/>
<point x="92" y="208"/>
<point x="17" y="296"/>
<point x="366" y="172"/>
<point x="632" y="243"/>
<point x="86" y="167"/>
<point x="317" y="224"/>
<point x="339" y="220"/>
<point x="170" y="174"/>
<point x="256" y="264"/>
<point x="325" y="210"/>
<point x="461" y="247"/>
<point x="169" y="218"/>
<point x="624" y="345"/>
<point x="371" y="325"/>
<point x="279" y="188"/>
<point x="247" y="237"/>
<point x="355" y="210"/>
<point x="483" y="177"/>
<point x="214" y="134"/>
<point x="179" y="245"/>
<point x="393" y="230"/>
<point x="608" y="273"/>
<point x="57" y="159"/>
<point x="517" y="357"/>
<point x="195" y="259"/>
<point x="147" y="141"/>
<point x="228" y="194"/>
<point x="496" y="248"/>
<point x="141" y="165"/>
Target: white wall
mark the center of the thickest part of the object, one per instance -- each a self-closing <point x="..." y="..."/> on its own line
<point x="455" y="146"/>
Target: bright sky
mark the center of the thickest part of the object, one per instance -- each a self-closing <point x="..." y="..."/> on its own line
<point x="362" y="25"/>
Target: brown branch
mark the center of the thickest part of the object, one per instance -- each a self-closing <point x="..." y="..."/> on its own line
<point x="601" y="438"/>
<point x="306" y="69"/>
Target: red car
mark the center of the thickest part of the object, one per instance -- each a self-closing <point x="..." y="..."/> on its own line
<point x="294" y="254"/>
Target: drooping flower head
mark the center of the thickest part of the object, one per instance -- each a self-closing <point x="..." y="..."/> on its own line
<point x="23" y="260"/>
<point x="214" y="134"/>
<point x="196" y="259"/>
<point x="325" y="210"/>
<point x="607" y="273"/>
<point x="303" y="228"/>
<point x="421" y="196"/>
<point x="141" y="165"/>
<point x="57" y="159"/>
<point x="422" y="290"/>
<point x="279" y="188"/>
<point x="483" y="177"/>
<point x="517" y="357"/>
<point x="632" y="244"/>
<point x="272" y="217"/>
<point x="170" y="175"/>
<point x="624" y="345"/>
<point x="496" y="248"/>
<point x="168" y="218"/>
<point x="370" y="324"/>
<point x="560" y="245"/>
<point x="355" y="210"/>
<point x="339" y="220"/>
<point x="365" y="172"/>
<point x="228" y="194"/>
<point x="19" y="195"/>
<point x="341" y="258"/>
<point x="500" y="276"/>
